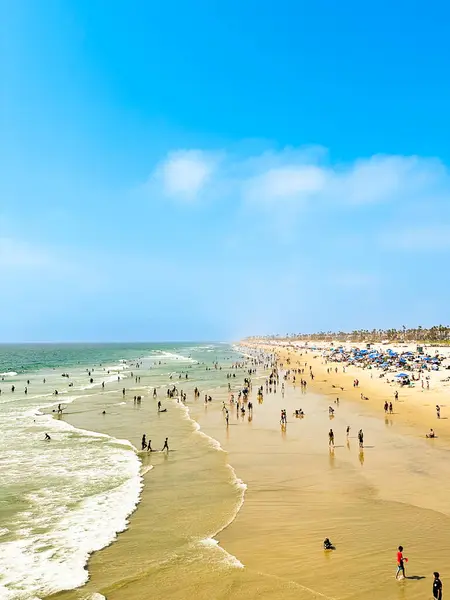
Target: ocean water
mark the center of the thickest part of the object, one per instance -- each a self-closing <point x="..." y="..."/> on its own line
<point x="62" y="500"/>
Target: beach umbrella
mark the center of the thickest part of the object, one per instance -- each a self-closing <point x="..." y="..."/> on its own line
<point x="402" y="375"/>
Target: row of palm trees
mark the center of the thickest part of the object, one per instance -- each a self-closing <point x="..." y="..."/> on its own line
<point x="435" y="334"/>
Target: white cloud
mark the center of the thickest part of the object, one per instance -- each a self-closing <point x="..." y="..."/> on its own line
<point x="291" y="182"/>
<point x="374" y="180"/>
<point x="386" y="178"/>
<point x="295" y="178"/>
<point x="184" y="174"/>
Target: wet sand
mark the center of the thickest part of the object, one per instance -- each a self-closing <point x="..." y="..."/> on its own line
<point x="299" y="492"/>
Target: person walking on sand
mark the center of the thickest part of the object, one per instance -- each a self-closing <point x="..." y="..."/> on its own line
<point x="400" y="564"/>
<point x="438" y="411"/>
<point x="149" y="446"/>
<point x="396" y="395"/>
<point x="361" y="438"/>
<point x="166" y="445"/>
<point x="331" y="438"/>
<point x="144" y="442"/>
<point x="437" y="586"/>
<point x="348" y="430"/>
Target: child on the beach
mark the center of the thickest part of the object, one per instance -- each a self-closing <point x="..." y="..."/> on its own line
<point x="400" y="563"/>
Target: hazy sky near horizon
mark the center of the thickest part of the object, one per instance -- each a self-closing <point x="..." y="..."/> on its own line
<point x="207" y="170"/>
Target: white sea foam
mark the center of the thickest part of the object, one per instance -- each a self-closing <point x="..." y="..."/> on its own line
<point x="229" y="559"/>
<point x="121" y="367"/>
<point x="8" y="374"/>
<point x="43" y="563"/>
<point x="172" y="356"/>
<point x="98" y="382"/>
<point x="237" y="482"/>
<point x="85" y="485"/>
<point x="146" y="469"/>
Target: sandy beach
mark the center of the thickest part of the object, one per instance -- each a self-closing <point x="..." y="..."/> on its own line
<point x="394" y="491"/>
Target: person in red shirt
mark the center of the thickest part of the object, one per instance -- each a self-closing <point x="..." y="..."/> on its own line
<point x="400" y="563"/>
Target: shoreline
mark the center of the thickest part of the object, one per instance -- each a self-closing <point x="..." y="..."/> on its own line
<point x="265" y="533"/>
<point x="209" y="541"/>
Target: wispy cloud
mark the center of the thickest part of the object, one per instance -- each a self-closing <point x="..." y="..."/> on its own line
<point x="285" y="183"/>
<point x="301" y="177"/>
<point x="185" y="173"/>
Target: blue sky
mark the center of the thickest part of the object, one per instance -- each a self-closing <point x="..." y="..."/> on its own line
<point x="207" y="170"/>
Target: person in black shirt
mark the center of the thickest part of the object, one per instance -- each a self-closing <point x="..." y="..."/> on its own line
<point x="437" y="586"/>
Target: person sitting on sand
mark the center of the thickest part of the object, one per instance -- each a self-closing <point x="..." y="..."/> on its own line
<point x="431" y="434"/>
<point x="327" y="545"/>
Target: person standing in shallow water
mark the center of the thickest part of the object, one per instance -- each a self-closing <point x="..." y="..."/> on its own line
<point x="144" y="442"/>
<point x="166" y="445"/>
